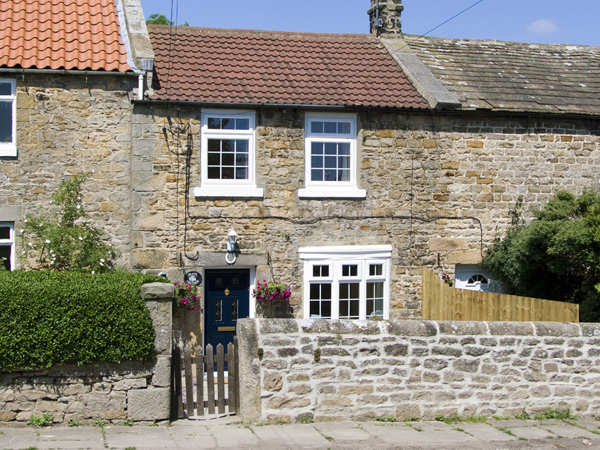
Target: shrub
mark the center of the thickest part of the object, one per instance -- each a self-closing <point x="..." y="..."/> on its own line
<point x="49" y="318"/>
<point x="66" y="241"/>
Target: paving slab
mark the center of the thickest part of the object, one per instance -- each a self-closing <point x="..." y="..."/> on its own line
<point x="291" y="436"/>
<point x="531" y="432"/>
<point x="569" y="431"/>
<point x="194" y="436"/>
<point x="484" y="432"/>
<point x="342" y="432"/>
<point x="589" y="424"/>
<point x="407" y="435"/>
<point x="140" y="437"/>
<point x="65" y="438"/>
<point x="233" y="436"/>
<point x="18" y="438"/>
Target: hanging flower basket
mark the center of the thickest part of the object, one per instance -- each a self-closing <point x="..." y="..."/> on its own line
<point x="272" y="293"/>
<point x="186" y="296"/>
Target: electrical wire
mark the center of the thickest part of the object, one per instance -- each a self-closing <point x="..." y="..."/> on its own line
<point x="452" y="18"/>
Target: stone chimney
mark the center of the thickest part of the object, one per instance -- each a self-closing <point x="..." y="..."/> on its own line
<point x="386" y="21"/>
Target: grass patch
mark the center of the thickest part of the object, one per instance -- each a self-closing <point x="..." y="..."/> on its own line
<point x="559" y="414"/>
<point x="74" y="422"/>
<point x="385" y="419"/>
<point x="460" y="419"/>
<point x="45" y="420"/>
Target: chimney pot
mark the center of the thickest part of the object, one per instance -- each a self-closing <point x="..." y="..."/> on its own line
<point x="387" y="20"/>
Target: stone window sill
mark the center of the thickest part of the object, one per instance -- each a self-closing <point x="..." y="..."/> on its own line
<point x="332" y="192"/>
<point x="229" y="192"/>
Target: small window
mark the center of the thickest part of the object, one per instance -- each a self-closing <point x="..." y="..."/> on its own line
<point x="357" y="284"/>
<point x="8" y="114"/>
<point x="228" y="155"/>
<point x="477" y="278"/>
<point x="7" y="245"/>
<point x="331" y="156"/>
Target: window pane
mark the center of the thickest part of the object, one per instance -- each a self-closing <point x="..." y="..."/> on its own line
<point x="5" y="256"/>
<point x="330" y="162"/>
<point x="214" y="173"/>
<point x="214" y="123"/>
<point x="331" y="148"/>
<point x="242" y="124"/>
<point x="228" y="159"/>
<point x="241" y="146"/>
<point x="344" y="127"/>
<point x="344" y="162"/>
<point x="375" y="269"/>
<point x="330" y="175"/>
<point x="228" y="124"/>
<point x="241" y="173"/>
<point x="227" y="145"/>
<point x="6" y="122"/>
<point x="344" y="148"/>
<point x="350" y="270"/>
<point x="4" y="233"/>
<point x="344" y="175"/>
<point x="316" y="175"/>
<point x="227" y="173"/>
<point x="214" y="145"/>
<point x="234" y="308"/>
<point x="214" y="159"/>
<point x="331" y="127"/>
<point x="6" y="88"/>
<point x="317" y="148"/>
<point x="241" y="160"/>
<point x="320" y="271"/>
<point x="316" y="162"/>
<point x="316" y="127"/>
<point x="218" y="310"/>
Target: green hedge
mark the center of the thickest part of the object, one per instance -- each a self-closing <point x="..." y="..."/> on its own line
<point x="49" y="318"/>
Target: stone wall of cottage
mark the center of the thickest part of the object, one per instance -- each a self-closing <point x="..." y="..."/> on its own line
<point x="439" y="189"/>
<point x="138" y="391"/>
<point x="67" y="125"/>
<point x="297" y="370"/>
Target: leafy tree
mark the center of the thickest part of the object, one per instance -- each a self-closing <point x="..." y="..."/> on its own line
<point x="556" y="256"/>
<point x="67" y="241"/>
<point x="160" y="19"/>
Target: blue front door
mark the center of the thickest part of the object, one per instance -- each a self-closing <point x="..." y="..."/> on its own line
<point x="227" y="299"/>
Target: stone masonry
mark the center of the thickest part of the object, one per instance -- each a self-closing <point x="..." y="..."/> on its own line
<point x="440" y="187"/>
<point x="295" y="370"/>
<point x="137" y="391"/>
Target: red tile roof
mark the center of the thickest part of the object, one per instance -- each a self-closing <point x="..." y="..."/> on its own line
<point x="61" y="34"/>
<point x="268" y="67"/>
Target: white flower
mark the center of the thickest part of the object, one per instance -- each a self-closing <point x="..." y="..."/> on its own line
<point x="78" y="206"/>
<point x="101" y="259"/>
<point x="93" y="272"/>
<point x="47" y="241"/>
<point x="25" y="221"/>
<point x="80" y="238"/>
<point x="21" y="230"/>
<point x="30" y="244"/>
<point x="101" y="265"/>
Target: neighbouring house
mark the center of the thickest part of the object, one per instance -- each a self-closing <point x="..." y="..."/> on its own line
<point x="342" y="163"/>
<point x="68" y="73"/>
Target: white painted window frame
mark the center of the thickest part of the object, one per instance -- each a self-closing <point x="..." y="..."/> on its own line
<point x="331" y="189"/>
<point x="10" y="242"/>
<point x="338" y="256"/>
<point x="228" y="188"/>
<point x="9" y="149"/>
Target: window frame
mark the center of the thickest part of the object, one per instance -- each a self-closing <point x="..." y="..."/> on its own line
<point x="220" y="187"/>
<point x="10" y="242"/>
<point x="338" y="256"/>
<point x="331" y="189"/>
<point x="10" y="148"/>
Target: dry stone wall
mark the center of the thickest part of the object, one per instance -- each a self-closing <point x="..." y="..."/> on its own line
<point x="295" y="370"/>
<point x="439" y="189"/>
<point x="138" y="391"/>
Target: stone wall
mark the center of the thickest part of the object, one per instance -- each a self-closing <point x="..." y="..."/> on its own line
<point x="293" y="370"/>
<point x="137" y="391"/>
<point x="439" y="189"/>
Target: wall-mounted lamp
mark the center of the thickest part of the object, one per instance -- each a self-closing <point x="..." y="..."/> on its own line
<point x="230" y="256"/>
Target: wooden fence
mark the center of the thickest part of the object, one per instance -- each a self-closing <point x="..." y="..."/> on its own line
<point x="443" y="302"/>
<point x="199" y="389"/>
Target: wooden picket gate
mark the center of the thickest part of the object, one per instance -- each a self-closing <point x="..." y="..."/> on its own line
<point x="197" y="388"/>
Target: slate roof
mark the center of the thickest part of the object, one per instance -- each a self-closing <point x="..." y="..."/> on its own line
<point x="509" y="76"/>
<point x="267" y="67"/>
<point x="61" y="34"/>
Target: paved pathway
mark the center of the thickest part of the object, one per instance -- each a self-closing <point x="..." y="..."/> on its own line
<point x="228" y="433"/>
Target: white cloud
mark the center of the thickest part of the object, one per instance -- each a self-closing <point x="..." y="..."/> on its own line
<point x="542" y="26"/>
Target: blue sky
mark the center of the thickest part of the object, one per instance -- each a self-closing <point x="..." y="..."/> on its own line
<point x="540" y="21"/>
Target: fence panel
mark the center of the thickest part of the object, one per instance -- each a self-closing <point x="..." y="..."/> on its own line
<point x="444" y="302"/>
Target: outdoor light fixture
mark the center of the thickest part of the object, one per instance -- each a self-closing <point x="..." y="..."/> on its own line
<point x="230" y="256"/>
